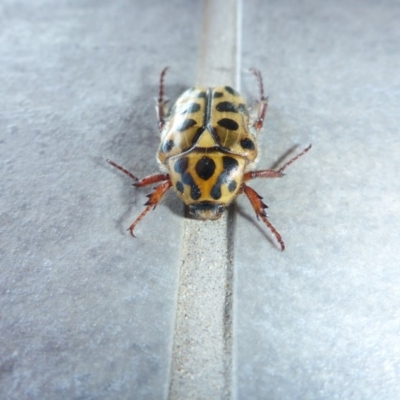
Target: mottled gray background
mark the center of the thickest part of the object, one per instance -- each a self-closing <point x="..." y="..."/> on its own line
<point x="86" y="311"/>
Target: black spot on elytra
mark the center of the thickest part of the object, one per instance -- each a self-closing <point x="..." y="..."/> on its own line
<point x="195" y="192"/>
<point x="217" y="95"/>
<point x="231" y="91"/>
<point x="167" y="146"/>
<point x="247" y="144"/>
<point x="205" y="168"/>
<point x="179" y="186"/>
<point x="188" y="123"/>
<point x="201" y="95"/>
<point x="230" y="164"/>
<point x="181" y="165"/>
<point x="232" y="186"/>
<point x="216" y="191"/>
<point x="227" y="106"/>
<point x="194" y="107"/>
<point x="228" y="124"/>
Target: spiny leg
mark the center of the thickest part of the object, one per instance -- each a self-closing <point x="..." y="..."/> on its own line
<point x="125" y="171"/>
<point x="262" y="103"/>
<point x="161" y="107"/>
<point x="270" y="173"/>
<point x="258" y="75"/>
<point x="154" y="198"/>
<point x="148" y="180"/>
<point x="259" y="207"/>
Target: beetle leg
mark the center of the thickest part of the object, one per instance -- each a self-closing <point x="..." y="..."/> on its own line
<point x="161" y="107"/>
<point x="262" y="103"/>
<point x="154" y="198"/>
<point x="148" y="180"/>
<point x="259" y="207"/>
<point x="270" y="173"/>
<point x="125" y="171"/>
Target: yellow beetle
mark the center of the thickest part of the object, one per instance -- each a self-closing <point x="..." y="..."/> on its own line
<point x="207" y="152"/>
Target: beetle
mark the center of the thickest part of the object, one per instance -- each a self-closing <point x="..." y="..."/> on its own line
<point x="207" y="152"/>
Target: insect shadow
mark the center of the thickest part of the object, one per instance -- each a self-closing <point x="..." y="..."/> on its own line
<point x="253" y="220"/>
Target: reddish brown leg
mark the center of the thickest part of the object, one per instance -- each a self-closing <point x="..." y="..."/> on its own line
<point x="256" y="199"/>
<point x="125" y="171"/>
<point x="270" y="173"/>
<point x="161" y="107"/>
<point x="263" y="101"/>
<point x="259" y="208"/>
<point x="148" y="180"/>
<point x="154" y="198"/>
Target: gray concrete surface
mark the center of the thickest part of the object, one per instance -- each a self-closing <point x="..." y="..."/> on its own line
<point x="88" y="312"/>
<point x="322" y="319"/>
